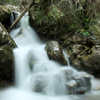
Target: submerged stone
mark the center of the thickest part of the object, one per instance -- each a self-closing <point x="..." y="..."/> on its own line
<point x="64" y="81"/>
<point x="38" y="82"/>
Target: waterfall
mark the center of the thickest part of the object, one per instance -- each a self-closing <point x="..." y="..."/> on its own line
<point x="31" y="49"/>
<point x="14" y="15"/>
<point x="37" y="77"/>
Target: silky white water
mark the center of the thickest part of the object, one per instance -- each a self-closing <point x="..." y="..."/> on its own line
<point x="34" y="71"/>
<point x="31" y="48"/>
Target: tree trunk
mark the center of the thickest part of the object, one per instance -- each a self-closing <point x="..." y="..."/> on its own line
<point x="21" y="15"/>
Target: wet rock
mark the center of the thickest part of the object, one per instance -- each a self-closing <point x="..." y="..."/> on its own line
<point x="54" y="52"/>
<point x="6" y="55"/>
<point x="63" y="81"/>
<point x="71" y="87"/>
<point x="75" y="82"/>
<point x="79" y="84"/>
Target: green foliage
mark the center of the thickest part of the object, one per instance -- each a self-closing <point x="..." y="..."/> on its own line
<point x="13" y="2"/>
<point x="55" y="13"/>
<point x="59" y="17"/>
<point x="80" y="8"/>
<point x="86" y="33"/>
<point x="83" y="32"/>
<point x="39" y="16"/>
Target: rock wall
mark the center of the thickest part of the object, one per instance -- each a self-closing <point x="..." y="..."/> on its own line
<point x="84" y="53"/>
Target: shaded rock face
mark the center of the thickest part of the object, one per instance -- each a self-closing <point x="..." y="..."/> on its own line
<point x="66" y="80"/>
<point x="4" y="13"/>
<point x="6" y="55"/>
<point x="54" y="52"/>
<point x="84" y="53"/>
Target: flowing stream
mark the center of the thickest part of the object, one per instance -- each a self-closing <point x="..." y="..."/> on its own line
<point x="37" y="77"/>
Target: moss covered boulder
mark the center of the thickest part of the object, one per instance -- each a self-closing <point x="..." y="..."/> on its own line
<point x="6" y="56"/>
<point x="54" y="52"/>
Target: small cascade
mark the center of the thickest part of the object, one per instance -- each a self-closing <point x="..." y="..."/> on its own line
<point x="66" y="57"/>
<point x="22" y="69"/>
<point x="37" y="77"/>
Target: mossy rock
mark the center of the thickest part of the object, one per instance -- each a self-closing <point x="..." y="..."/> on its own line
<point x="6" y="55"/>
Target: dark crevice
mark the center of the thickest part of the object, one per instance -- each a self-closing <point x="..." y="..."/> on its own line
<point x="6" y="23"/>
<point x="5" y="43"/>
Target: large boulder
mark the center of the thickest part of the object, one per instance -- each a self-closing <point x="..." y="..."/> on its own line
<point x="54" y="52"/>
<point x="6" y="55"/>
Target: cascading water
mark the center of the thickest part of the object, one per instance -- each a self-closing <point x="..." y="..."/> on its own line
<point x="30" y="48"/>
<point x="37" y="77"/>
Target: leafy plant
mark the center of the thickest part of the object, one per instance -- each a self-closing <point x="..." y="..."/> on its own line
<point x="86" y="33"/>
<point x="83" y="32"/>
